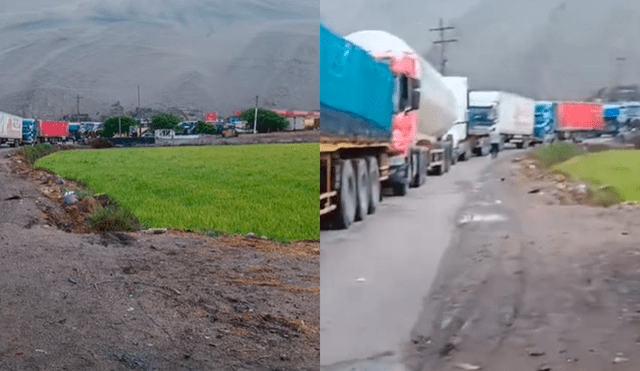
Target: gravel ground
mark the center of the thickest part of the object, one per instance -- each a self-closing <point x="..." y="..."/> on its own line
<point x="121" y="301"/>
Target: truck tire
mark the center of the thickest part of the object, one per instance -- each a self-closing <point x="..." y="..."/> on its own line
<point x="520" y="145"/>
<point x="415" y="170"/>
<point x="483" y="151"/>
<point x="347" y="196"/>
<point x="374" y="179"/>
<point x="363" y="186"/>
<point x="403" y="188"/>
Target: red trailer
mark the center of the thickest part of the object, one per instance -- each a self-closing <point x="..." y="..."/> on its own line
<point x="52" y="131"/>
<point x="578" y="121"/>
<point x="580" y="117"/>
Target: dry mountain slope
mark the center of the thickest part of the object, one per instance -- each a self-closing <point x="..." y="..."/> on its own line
<point x="179" y="52"/>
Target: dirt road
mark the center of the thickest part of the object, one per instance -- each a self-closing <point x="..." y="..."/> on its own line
<point x="121" y="301"/>
<point x="532" y="283"/>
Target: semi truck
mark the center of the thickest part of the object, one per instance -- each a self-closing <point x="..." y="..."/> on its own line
<point x="578" y="120"/>
<point x="512" y="115"/>
<point x="426" y="110"/>
<point x="44" y="131"/>
<point x="355" y="135"/>
<point x="544" y="130"/>
<point x="462" y="150"/>
<point x="10" y="129"/>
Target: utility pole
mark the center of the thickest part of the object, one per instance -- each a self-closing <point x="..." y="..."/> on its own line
<point x="620" y="61"/>
<point x="442" y="41"/>
<point x="120" y="125"/>
<point x="78" y="117"/>
<point x="255" y="118"/>
<point x="138" y="98"/>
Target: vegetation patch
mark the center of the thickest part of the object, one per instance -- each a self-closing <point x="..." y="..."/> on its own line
<point x="31" y="154"/>
<point x="556" y="153"/>
<point x="113" y="218"/>
<point x="268" y="190"/>
<point x="613" y="176"/>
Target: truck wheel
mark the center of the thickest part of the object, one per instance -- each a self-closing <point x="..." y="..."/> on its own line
<point x="483" y="151"/>
<point x="347" y="200"/>
<point x="374" y="179"/>
<point x="520" y="145"/>
<point x="415" y="170"/>
<point x="363" y="185"/>
<point x="403" y="188"/>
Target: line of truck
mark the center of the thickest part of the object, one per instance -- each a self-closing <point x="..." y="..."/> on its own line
<point x="388" y="119"/>
<point x="17" y="131"/>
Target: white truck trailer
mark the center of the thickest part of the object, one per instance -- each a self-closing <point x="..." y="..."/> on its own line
<point x="10" y="129"/>
<point x="512" y="115"/>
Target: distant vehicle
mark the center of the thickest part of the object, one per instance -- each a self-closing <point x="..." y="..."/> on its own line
<point x="544" y="130"/>
<point x="188" y="127"/>
<point x="578" y="120"/>
<point x="147" y="135"/>
<point x="48" y="131"/>
<point x="10" y="129"/>
<point x="512" y="115"/>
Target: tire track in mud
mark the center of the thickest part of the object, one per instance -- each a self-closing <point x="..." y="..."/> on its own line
<point x="480" y="287"/>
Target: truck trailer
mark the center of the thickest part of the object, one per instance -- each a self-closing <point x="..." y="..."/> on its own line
<point x="462" y="148"/>
<point x="355" y="135"/>
<point x="512" y="115"/>
<point x="426" y="110"/>
<point x="578" y="120"/>
<point x="45" y="131"/>
<point x="10" y="129"/>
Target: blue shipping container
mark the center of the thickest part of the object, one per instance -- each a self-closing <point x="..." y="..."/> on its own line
<point x="545" y="120"/>
<point x="356" y="91"/>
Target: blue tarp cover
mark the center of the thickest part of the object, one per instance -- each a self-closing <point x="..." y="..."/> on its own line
<point x="356" y="91"/>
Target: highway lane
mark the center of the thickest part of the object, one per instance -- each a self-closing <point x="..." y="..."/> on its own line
<point x="375" y="275"/>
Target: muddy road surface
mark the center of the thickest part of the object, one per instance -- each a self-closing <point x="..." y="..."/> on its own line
<point x="376" y="275"/>
<point x="532" y="281"/>
<point x="135" y="301"/>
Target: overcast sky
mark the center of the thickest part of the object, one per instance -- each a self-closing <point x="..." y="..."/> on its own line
<point x="546" y="49"/>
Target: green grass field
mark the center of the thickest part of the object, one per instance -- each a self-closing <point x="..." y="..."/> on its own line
<point x="619" y="169"/>
<point x="270" y="190"/>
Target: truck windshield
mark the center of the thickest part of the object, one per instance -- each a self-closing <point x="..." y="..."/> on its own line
<point x="480" y="116"/>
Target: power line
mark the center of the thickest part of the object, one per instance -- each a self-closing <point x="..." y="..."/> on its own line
<point x="443" y="42"/>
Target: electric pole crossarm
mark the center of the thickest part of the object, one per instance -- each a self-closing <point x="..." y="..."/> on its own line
<point x="442" y="41"/>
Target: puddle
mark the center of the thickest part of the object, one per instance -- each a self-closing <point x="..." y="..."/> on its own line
<point x="488" y="218"/>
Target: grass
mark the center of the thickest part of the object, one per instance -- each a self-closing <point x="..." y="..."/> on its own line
<point x="112" y="218"/>
<point x="556" y="153"/>
<point x="270" y="190"/>
<point x="613" y="176"/>
<point x="33" y="153"/>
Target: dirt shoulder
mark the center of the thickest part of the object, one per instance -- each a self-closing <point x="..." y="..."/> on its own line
<point x="120" y="301"/>
<point x="550" y="285"/>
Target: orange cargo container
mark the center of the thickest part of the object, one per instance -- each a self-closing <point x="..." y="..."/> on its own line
<point x="580" y="117"/>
